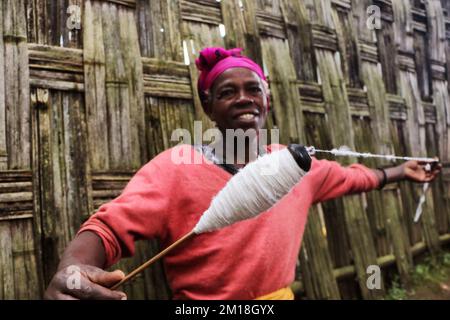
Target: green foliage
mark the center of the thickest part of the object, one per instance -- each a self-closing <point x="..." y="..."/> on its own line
<point x="421" y="273"/>
<point x="432" y="270"/>
<point x="396" y="292"/>
<point x="446" y="259"/>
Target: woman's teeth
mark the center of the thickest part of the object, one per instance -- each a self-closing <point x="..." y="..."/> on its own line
<point x="247" y="116"/>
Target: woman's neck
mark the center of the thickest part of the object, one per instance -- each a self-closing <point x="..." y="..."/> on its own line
<point x="236" y="150"/>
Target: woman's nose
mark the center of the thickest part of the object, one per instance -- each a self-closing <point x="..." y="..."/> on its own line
<point x="244" y="98"/>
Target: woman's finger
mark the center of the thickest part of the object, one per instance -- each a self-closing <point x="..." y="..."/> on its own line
<point x="104" y="278"/>
<point x="92" y="291"/>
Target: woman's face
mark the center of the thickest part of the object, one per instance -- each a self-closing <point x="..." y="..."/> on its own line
<point x="238" y="100"/>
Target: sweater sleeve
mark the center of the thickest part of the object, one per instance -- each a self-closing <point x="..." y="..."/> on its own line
<point x="139" y="212"/>
<point x="335" y="180"/>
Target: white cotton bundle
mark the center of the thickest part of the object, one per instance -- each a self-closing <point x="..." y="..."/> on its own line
<point x="254" y="189"/>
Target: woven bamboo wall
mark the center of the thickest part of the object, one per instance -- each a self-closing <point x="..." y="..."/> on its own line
<point x="83" y="107"/>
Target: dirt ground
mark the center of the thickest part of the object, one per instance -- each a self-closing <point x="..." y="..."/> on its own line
<point x="431" y="291"/>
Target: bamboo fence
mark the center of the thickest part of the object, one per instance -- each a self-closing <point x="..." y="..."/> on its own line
<point x="91" y="90"/>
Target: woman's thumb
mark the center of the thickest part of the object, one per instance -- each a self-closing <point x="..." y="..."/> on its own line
<point x="105" y="278"/>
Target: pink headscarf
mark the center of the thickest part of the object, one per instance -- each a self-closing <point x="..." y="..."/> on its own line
<point x="214" y="61"/>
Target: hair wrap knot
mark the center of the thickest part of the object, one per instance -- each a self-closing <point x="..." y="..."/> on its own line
<point x="209" y="57"/>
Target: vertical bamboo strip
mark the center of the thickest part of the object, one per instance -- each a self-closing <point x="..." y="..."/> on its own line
<point x="6" y="263"/>
<point x="3" y="146"/>
<point x="95" y="97"/>
<point x="281" y="77"/>
<point x="17" y="93"/>
<point x="298" y="29"/>
<point x="316" y="262"/>
<point x="378" y="106"/>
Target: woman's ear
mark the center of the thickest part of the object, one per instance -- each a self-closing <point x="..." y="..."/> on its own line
<point x="206" y="103"/>
<point x="267" y="92"/>
<point x="266" y="88"/>
<point x="209" y="113"/>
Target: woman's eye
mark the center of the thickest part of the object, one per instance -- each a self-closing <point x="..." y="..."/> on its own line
<point x="225" y="93"/>
<point x="256" y="89"/>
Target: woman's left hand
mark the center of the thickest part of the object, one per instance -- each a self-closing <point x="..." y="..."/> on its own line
<point x="416" y="171"/>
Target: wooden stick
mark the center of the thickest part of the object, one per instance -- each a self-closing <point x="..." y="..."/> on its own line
<point x="139" y="269"/>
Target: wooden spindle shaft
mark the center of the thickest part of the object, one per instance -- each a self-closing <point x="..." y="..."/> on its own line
<point x="139" y="269"/>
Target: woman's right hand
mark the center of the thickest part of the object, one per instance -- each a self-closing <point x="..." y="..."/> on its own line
<point x="84" y="282"/>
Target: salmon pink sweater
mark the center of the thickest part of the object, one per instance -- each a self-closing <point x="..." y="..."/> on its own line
<point x="243" y="261"/>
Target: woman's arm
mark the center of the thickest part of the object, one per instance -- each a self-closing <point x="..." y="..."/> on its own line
<point x="79" y="274"/>
<point x="331" y="180"/>
<point x="86" y="248"/>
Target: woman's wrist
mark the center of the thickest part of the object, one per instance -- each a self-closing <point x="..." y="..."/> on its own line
<point x="389" y="175"/>
<point x="394" y="174"/>
<point x="382" y="177"/>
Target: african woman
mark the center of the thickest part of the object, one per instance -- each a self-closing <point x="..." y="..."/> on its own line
<point x="252" y="259"/>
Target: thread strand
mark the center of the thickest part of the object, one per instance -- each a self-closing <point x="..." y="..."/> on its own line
<point x="346" y="152"/>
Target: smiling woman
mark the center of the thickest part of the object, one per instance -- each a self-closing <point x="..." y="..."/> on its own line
<point x="234" y="94"/>
<point x="229" y="79"/>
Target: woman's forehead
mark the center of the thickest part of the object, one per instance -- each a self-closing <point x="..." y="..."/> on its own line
<point x="232" y="75"/>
